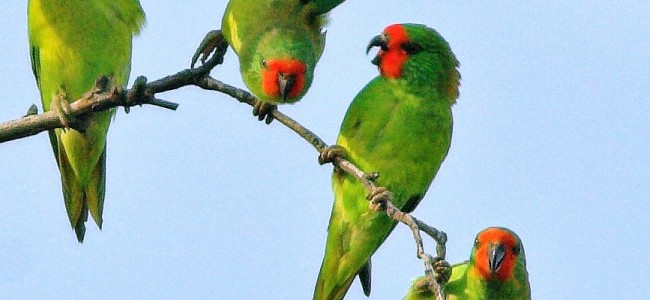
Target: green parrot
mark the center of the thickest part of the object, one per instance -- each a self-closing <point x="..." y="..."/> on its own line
<point x="72" y="43"/>
<point x="399" y="125"/>
<point x="278" y="43"/>
<point x="496" y="270"/>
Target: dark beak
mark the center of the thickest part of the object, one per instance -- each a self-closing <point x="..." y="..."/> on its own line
<point x="375" y="61"/>
<point x="496" y="253"/>
<point x="378" y="41"/>
<point x="286" y="83"/>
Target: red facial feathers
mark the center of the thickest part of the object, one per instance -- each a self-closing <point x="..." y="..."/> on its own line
<point x="275" y="67"/>
<point x="496" y="236"/>
<point x="392" y="60"/>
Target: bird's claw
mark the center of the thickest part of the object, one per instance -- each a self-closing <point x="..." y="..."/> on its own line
<point x="264" y="111"/>
<point x="372" y="176"/>
<point x="330" y="153"/>
<point x="378" y="198"/>
<point x="63" y="110"/>
<point x="212" y="41"/>
<point x="423" y="286"/>
<point x="441" y="270"/>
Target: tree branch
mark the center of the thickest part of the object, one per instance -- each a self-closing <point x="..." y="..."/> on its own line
<point x="103" y="97"/>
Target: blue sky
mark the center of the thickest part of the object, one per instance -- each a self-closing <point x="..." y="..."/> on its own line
<point x="551" y="139"/>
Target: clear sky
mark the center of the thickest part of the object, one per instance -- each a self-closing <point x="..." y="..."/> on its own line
<point x="551" y="139"/>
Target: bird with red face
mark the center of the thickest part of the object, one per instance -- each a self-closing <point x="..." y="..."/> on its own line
<point x="399" y="125"/>
<point x="496" y="270"/>
<point x="278" y="43"/>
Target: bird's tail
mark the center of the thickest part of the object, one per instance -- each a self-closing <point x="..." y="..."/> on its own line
<point x="334" y="280"/>
<point x="82" y="197"/>
<point x="332" y="283"/>
<point x="344" y="259"/>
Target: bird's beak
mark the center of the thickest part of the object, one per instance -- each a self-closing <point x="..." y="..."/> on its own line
<point x="375" y="61"/>
<point x="496" y="253"/>
<point x="377" y="41"/>
<point x="286" y="83"/>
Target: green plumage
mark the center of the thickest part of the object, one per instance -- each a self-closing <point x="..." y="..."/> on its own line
<point x="268" y="29"/>
<point x="401" y="128"/>
<point x="72" y="43"/>
<point x="466" y="283"/>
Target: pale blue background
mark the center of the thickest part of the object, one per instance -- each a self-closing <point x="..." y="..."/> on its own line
<point x="551" y="139"/>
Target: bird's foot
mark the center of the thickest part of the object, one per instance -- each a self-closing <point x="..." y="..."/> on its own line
<point x="442" y="270"/>
<point x="263" y="111"/>
<point x="330" y="153"/>
<point x="423" y="286"/>
<point x="63" y="110"/>
<point x="378" y="198"/>
<point x="213" y="41"/>
<point x="372" y="176"/>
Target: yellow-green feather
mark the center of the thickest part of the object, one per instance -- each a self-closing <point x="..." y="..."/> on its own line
<point x="72" y="43"/>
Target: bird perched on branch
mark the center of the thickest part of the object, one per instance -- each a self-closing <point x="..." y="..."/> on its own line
<point x="278" y="43"/>
<point x="72" y="43"/>
<point x="496" y="270"/>
<point x="399" y="125"/>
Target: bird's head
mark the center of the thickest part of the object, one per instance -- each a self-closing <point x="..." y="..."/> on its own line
<point x="283" y="79"/>
<point x="419" y="54"/>
<point x="496" y="253"/>
<point x="281" y="68"/>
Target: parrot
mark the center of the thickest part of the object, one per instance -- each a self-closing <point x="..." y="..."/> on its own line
<point x="399" y="125"/>
<point x="278" y="42"/>
<point x="72" y="43"/>
<point x="496" y="270"/>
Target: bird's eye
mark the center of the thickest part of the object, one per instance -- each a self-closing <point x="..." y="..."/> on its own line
<point x="264" y="63"/>
<point x="411" y="47"/>
<point x="476" y="243"/>
<point x="516" y="249"/>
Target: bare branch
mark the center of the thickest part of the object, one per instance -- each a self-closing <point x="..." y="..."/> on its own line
<point x="102" y="97"/>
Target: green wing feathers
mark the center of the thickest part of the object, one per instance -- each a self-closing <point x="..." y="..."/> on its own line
<point x="324" y="6"/>
<point x="69" y="51"/>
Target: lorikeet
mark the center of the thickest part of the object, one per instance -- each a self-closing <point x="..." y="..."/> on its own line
<point x="278" y="43"/>
<point x="496" y="270"/>
<point x="72" y="43"/>
<point x="400" y="126"/>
